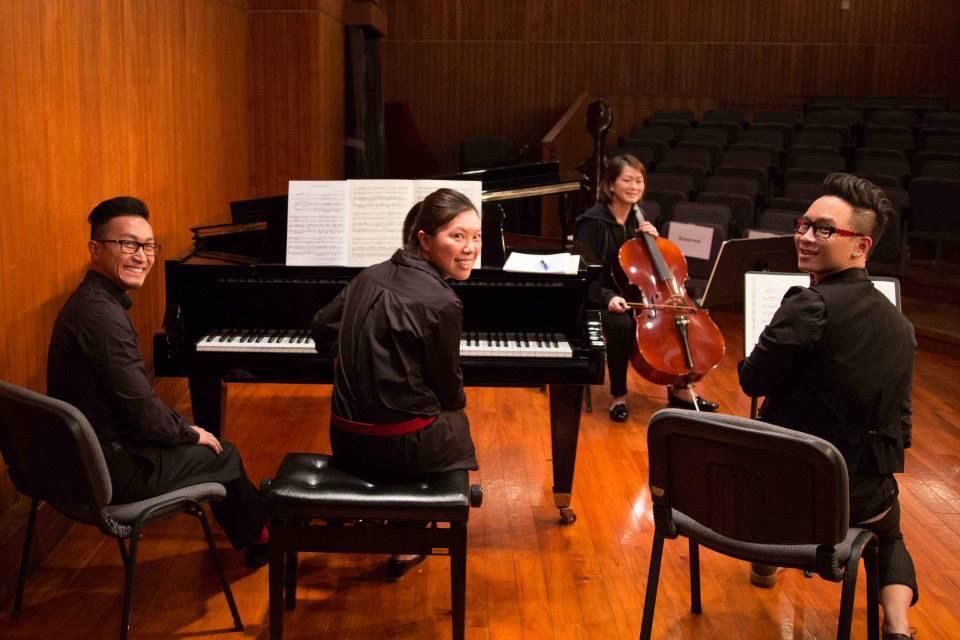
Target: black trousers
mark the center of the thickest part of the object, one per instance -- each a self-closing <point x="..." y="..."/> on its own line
<point x="619" y="330"/>
<point x="138" y="474"/>
<point x="896" y="565"/>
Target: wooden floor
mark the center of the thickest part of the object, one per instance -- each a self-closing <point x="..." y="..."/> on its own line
<point x="528" y="576"/>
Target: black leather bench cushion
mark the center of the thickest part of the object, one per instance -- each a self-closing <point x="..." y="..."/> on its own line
<point x="308" y="483"/>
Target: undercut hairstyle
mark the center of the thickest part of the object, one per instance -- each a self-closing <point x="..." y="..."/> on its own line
<point x="115" y="208"/>
<point x="615" y="167"/>
<point x="871" y="207"/>
<point x="436" y="210"/>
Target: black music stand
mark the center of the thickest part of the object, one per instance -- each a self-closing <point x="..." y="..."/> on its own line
<point x="740" y="255"/>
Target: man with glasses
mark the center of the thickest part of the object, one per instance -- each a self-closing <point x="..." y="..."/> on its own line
<point x="836" y="361"/>
<point x="94" y="363"/>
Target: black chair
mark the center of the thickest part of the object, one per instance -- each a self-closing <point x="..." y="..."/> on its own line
<point x="940" y="169"/>
<point x="804" y="184"/>
<point x="742" y="207"/>
<point x="724" y="115"/>
<point x="889" y="256"/>
<point x="53" y="454"/>
<point x="704" y="213"/>
<point x="711" y="135"/>
<point x="895" y="117"/>
<point x="759" y="493"/>
<point x="733" y="129"/>
<point x="695" y="170"/>
<point x="658" y="147"/>
<point x="665" y="200"/>
<point x="800" y="205"/>
<point x="779" y="220"/>
<point x="688" y="155"/>
<point x="935" y="214"/>
<point x="753" y="135"/>
<point x="899" y="169"/>
<point x="714" y="149"/>
<point x="317" y="507"/>
<point x="845" y="117"/>
<point x="682" y="182"/>
<point x="871" y="152"/>
<point x="786" y="130"/>
<point x="920" y="158"/>
<point x="743" y="185"/>
<point x="644" y="153"/>
<point x="808" y="137"/>
<point x="673" y="114"/>
<point x="791" y="118"/>
<point x="654" y="132"/>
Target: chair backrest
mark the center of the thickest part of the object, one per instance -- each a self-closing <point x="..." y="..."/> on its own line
<point x="742" y="207"/>
<point x="724" y="115"/>
<point x="51" y="451"/>
<point x="934" y="204"/>
<point x="733" y="184"/>
<point x="715" y="136"/>
<point x="748" y="480"/>
<point x="777" y="220"/>
<point x="673" y="114"/>
<point x="786" y="117"/>
<point x="703" y="213"/>
<point x="671" y="182"/>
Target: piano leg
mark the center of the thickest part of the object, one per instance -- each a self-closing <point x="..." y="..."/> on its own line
<point x="206" y="397"/>
<point x="565" y="401"/>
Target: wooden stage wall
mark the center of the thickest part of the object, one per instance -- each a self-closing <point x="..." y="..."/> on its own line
<point x="511" y="67"/>
<point x="187" y="104"/>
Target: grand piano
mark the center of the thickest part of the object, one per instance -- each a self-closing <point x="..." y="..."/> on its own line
<point x="234" y="316"/>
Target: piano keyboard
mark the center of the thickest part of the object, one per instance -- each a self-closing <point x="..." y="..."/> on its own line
<point x="472" y="344"/>
<point x="514" y="345"/>
<point x="249" y="341"/>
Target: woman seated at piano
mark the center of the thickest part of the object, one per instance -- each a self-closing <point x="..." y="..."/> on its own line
<point x="398" y="399"/>
<point x="616" y="218"/>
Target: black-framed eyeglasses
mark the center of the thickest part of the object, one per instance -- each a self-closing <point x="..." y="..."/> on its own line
<point x="130" y="247"/>
<point x="821" y="229"/>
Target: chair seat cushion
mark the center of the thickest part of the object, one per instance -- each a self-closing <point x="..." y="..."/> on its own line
<point x="130" y="511"/>
<point x="308" y="484"/>
<point x="794" y="555"/>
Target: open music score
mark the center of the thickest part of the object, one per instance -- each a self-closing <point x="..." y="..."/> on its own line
<point x="355" y="223"/>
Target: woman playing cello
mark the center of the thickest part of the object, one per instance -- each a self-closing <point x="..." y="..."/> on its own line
<point x="604" y="228"/>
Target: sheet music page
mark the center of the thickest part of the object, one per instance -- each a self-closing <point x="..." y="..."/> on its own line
<point x="377" y="209"/>
<point x="763" y="292"/>
<point x="473" y="189"/>
<point x="317" y="223"/>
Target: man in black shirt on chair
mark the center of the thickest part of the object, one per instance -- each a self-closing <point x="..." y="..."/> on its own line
<point x="95" y="364"/>
<point x="836" y="361"/>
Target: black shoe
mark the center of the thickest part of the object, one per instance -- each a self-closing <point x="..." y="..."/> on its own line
<point x="397" y="568"/>
<point x="897" y="636"/>
<point x="257" y="555"/>
<point x="763" y="575"/>
<point x="619" y="413"/>
<point x="680" y="402"/>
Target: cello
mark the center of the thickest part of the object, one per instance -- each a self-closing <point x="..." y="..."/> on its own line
<point x="677" y="343"/>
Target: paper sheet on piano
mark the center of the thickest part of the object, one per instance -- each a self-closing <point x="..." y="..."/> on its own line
<point x="540" y="263"/>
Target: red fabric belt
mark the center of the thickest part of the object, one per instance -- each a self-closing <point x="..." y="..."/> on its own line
<point x="383" y="429"/>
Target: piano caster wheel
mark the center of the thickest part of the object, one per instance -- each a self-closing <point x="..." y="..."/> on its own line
<point x="567" y="516"/>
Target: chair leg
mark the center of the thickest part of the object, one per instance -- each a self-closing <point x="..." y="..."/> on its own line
<point x="458" y="580"/>
<point x="130" y="566"/>
<point x="850" y="584"/>
<point x="224" y="585"/>
<point x="872" y="565"/>
<point x="653" y="580"/>
<point x="25" y="558"/>
<point x="695" y="577"/>
<point x="276" y="580"/>
<point x="290" y="580"/>
<point x="124" y="556"/>
<point x="587" y="399"/>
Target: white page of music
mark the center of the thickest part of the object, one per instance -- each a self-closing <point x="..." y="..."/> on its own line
<point x="763" y="292"/>
<point x="377" y="209"/>
<point x="473" y="189"/>
<point x="317" y="231"/>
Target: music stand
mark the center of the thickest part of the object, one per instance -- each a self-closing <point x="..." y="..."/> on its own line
<point x="739" y="255"/>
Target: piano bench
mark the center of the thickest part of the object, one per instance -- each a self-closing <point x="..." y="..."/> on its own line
<point x="356" y="516"/>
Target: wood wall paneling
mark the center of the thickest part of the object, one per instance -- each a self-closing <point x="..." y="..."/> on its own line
<point x="104" y="98"/>
<point x="297" y="93"/>
<point x="512" y="68"/>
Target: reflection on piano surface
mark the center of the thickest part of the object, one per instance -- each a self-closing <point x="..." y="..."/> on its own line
<point x="231" y="319"/>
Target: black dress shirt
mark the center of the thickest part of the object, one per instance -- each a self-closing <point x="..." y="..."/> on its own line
<point x="399" y="326"/>
<point x="95" y="364"/>
<point x="836" y="361"/>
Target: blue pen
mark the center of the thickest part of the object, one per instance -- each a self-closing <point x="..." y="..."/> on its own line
<point x="544" y="264"/>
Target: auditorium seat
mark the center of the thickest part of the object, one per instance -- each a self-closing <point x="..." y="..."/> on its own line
<point x="742" y="208"/>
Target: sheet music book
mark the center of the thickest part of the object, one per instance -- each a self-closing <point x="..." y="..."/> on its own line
<point x="764" y="291"/>
<point x="356" y="223"/>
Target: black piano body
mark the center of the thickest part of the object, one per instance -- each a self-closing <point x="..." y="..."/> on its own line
<point x="210" y="295"/>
